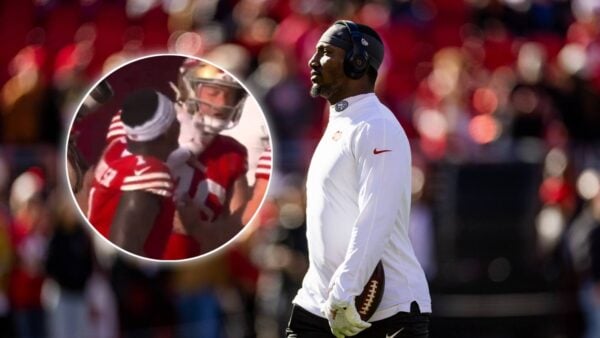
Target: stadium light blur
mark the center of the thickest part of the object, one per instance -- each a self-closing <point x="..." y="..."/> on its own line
<point x="137" y="8"/>
<point x="444" y="79"/>
<point x="525" y="100"/>
<point x="431" y="123"/>
<point x="485" y="100"/>
<point x="519" y="5"/>
<point x="584" y="10"/>
<point x="175" y="6"/>
<point x="375" y="14"/>
<point x="484" y="129"/>
<point x="530" y="61"/>
<point x="555" y="163"/>
<point x="190" y="43"/>
<point x="24" y="188"/>
<point x="572" y="58"/>
<point x="588" y="184"/>
<point x="550" y="224"/>
<point x="291" y="215"/>
<point x="553" y="190"/>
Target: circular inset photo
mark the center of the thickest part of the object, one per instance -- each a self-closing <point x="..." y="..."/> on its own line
<point x="169" y="157"/>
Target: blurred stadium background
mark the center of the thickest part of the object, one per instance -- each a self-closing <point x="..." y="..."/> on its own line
<point x="500" y="99"/>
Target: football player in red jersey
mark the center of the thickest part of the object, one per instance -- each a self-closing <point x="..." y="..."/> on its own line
<point x="130" y="201"/>
<point x="212" y="189"/>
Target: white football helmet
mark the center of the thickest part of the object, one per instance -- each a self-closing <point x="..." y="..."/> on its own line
<point x="207" y="114"/>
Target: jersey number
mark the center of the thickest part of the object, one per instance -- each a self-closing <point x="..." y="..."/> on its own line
<point x="203" y="188"/>
<point x="107" y="176"/>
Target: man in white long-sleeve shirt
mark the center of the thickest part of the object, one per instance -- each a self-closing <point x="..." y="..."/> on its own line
<point x="358" y="201"/>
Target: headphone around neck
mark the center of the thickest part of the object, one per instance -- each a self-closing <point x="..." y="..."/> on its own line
<point x="356" y="60"/>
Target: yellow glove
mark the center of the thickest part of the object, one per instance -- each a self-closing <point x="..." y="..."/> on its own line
<point x="343" y="319"/>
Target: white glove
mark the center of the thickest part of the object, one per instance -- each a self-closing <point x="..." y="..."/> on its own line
<point x="343" y="319"/>
<point x="190" y="132"/>
<point x="190" y="139"/>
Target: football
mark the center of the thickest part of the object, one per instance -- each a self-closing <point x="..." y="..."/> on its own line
<point x="369" y="299"/>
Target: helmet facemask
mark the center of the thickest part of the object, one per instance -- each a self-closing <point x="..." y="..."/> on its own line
<point x="203" y="89"/>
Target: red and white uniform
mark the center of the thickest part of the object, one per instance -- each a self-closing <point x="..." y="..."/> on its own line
<point x="116" y="130"/>
<point x="223" y="162"/>
<point x="120" y="171"/>
<point x="263" y="168"/>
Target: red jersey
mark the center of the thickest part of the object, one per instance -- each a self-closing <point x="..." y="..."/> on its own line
<point x="119" y="171"/>
<point x="223" y="162"/>
<point x="116" y="130"/>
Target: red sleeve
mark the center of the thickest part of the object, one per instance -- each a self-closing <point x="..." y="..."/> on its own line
<point x="263" y="168"/>
<point x="243" y="160"/>
<point x="116" y="130"/>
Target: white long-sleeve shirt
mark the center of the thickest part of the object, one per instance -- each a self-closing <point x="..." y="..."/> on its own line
<point x="358" y="204"/>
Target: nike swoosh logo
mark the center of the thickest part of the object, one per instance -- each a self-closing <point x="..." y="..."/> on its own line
<point x="141" y="171"/>
<point x="394" y="335"/>
<point x="377" y="151"/>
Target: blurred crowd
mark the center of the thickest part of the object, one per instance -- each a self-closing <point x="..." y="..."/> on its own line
<point x="475" y="84"/>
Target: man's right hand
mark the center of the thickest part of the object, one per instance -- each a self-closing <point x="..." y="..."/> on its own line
<point x="343" y="319"/>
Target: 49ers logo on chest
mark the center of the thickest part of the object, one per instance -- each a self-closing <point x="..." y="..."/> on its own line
<point x="207" y="194"/>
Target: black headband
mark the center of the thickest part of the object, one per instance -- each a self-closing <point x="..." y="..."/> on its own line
<point x="338" y="35"/>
